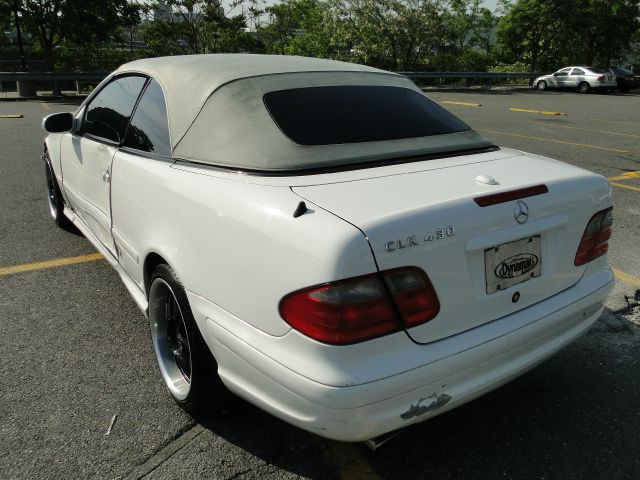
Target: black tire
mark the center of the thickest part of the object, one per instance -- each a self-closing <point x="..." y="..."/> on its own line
<point x="541" y="86"/>
<point x="55" y="200"/>
<point x="583" y="87"/>
<point x="186" y="364"/>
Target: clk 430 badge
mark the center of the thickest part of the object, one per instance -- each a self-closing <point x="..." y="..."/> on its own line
<point x="414" y="240"/>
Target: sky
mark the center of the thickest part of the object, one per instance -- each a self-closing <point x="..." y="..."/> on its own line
<point x="490" y="4"/>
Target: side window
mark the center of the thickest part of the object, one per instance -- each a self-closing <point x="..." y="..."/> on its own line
<point x="109" y="112"/>
<point x="563" y="72"/>
<point x="149" y="130"/>
<point x="577" y="71"/>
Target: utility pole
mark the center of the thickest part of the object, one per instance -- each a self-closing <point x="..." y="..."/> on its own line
<point x="19" y="33"/>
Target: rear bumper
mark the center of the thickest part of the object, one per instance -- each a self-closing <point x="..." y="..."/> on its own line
<point x="465" y="366"/>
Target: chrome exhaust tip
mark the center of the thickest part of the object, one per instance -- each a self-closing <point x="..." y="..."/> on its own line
<point x="376" y="442"/>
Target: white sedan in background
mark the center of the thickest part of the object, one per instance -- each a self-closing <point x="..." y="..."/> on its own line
<point x="582" y="79"/>
<point x="324" y="241"/>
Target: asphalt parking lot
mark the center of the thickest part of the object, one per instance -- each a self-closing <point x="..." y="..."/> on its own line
<point x="75" y="350"/>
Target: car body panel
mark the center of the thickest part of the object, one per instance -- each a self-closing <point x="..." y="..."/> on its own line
<point x="87" y="170"/>
<point x="325" y="399"/>
<point x="245" y="233"/>
<point x="429" y="219"/>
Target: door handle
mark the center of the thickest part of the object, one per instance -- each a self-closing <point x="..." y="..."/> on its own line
<point x="106" y="176"/>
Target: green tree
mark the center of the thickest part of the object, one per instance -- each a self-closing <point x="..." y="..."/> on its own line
<point x="6" y="15"/>
<point x="195" y="26"/>
<point x="470" y="24"/>
<point x="606" y="29"/>
<point x="533" y="32"/>
<point x="296" y="27"/>
<point x="394" y="34"/>
<point x="559" y="32"/>
<point x="51" y="22"/>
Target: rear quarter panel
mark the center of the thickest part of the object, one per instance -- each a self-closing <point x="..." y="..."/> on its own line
<point x="233" y="243"/>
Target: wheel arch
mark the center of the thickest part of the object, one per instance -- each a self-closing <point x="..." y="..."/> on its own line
<point x="151" y="261"/>
<point x="51" y="148"/>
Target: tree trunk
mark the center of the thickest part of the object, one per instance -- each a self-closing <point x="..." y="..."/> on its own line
<point x="534" y="66"/>
<point x="49" y="59"/>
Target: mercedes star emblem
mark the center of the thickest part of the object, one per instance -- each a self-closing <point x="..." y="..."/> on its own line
<point x="521" y="212"/>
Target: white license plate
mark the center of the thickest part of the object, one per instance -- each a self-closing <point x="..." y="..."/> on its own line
<point x="512" y="263"/>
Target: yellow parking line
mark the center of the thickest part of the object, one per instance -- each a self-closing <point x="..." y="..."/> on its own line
<point x="628" y="187"/>
<point x="555" y="141"/>
<point x="11" y="115"/>
<point x="541" y="112"/>
<point x="468" y="104"/>
<point x="28" y="267"/>
<point x="625" y="176"/>
<point x="606" y="132"/>
<point x="625" y="277"/>
<point x="619" y="177"/>
<point x="45" y="105"/>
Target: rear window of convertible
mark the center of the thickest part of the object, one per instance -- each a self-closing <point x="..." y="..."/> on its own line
<point x="353" y="114"/>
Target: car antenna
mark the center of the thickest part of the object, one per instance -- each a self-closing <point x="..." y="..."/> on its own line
<point x="301" y="209"/>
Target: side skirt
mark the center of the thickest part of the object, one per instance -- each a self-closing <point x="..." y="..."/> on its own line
<point x="138" y="296"/>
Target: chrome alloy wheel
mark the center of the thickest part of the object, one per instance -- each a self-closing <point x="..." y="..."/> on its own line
<point x="170" y="339"/>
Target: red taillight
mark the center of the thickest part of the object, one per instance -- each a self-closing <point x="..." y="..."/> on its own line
<point x="595" y="240"/>
<point x="600" y="78"/>
<point x="413" y="295"/>
<point x="361" y="308"/>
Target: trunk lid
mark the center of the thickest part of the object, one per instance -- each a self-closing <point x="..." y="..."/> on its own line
<point x="428" y="218"/>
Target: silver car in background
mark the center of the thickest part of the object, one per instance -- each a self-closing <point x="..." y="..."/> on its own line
<point x="582" y="79"/>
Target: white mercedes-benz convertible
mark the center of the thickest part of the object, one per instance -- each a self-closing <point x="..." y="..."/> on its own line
<point x="323" y="240"/>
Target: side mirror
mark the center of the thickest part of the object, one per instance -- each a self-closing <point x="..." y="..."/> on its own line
<point x="555" y="74"/>
<point x="58" y="122"/>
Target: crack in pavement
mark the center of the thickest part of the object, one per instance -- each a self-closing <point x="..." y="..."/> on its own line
<point x="168" y="450"/>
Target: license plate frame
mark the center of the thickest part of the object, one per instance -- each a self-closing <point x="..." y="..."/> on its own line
<point x="512" y="263"/>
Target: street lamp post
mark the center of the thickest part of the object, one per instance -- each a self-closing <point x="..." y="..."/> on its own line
<point x="23" y="63"/>
<point x="25" y="88"/>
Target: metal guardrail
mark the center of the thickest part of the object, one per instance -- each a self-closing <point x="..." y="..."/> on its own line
<point x="82" y="77"/>
<point x="26" y="81"/>
<point x="98" y="76"/>
<point x="490" y="77"/>
<point x="52" y="76"/>
<point x="479" y="75"/>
